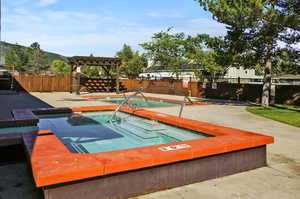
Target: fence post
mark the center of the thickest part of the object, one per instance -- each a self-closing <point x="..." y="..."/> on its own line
<point x="78" y="84"/>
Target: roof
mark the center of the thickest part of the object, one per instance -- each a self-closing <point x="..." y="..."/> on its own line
<point x="289" y="76"/>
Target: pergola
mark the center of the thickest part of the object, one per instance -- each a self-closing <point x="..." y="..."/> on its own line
<point x="107" y="63"/>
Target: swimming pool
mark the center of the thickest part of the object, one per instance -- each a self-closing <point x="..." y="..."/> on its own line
<point x="93" y="133"/>
<point x="79" y="153"/>
<point x="140" y="102"/>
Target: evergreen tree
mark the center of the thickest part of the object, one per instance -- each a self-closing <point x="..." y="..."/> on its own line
<point x="254" y="30"/>
<point x="38" y="58"/>
<point x="132" y="62"/>
<point x="18" y="57"/>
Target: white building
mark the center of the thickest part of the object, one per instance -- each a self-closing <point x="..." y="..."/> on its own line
<point x="162" y="75"/>
<point x="234" y="72"/>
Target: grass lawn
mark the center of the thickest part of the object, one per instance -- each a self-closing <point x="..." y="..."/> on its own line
<point x="287" y="115"/>
<point x="290" y="107"/>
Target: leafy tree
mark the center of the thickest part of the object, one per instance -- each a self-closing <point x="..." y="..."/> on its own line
<point x="92" y="71"/>
<point x="59" y="66"/>
<point x="168" y="49"/>
<point x="254" y="30"/>
<point x="132" y="62"/>
<point x="135" y="66"/>
<point x="180" y="51"/>
<point x="211" y="67"/>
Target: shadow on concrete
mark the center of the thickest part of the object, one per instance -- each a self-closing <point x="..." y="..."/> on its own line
<point x="224" y="102"/>
<point x="16" y="179"/>
<point x="20" y="100"/>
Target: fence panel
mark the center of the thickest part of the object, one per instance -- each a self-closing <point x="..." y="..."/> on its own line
<point x="289" y="94"/>
<point x="42" y="83"/>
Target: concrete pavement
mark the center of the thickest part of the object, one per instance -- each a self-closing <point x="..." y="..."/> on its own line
<point x="280" y="179"/>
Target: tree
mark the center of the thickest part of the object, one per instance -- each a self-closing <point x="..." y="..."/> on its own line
<point x="211" y="66"/>
<point x="92" y="71"/>
<point x="132" y="62"/>
<point x="59" y="66"/>
<point x="180" y="51"/>
<point x="254" y="30"/>
<point x="287" y="62"/>
<point x="125" y="54"/>
<point x="17" y="57"/>
<point x="135" y="66"/>
<point x="168" y="49"/>
<point x="38" y="58"/>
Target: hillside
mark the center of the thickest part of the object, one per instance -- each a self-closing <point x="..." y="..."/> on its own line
<point x="51" y="56"/>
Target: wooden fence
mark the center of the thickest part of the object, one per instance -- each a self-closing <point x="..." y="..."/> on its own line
<point x="43" y="83"/>
<point x="246" y="92"/>
<point x="194" y="89"/>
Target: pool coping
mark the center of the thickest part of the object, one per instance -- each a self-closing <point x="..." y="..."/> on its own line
<point x="52" y="163"/>
<point x="90" y="98"/>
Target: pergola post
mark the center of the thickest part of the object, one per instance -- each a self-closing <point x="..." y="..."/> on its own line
<point x="71" y="79"/>
<point x="118" y="78"/>
<point x="78" y="84"/>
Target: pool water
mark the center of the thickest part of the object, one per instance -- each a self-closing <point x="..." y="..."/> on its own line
<point x="93" y="133"/>
<point x="13" y="130"/>
<point x="140" y="102"/>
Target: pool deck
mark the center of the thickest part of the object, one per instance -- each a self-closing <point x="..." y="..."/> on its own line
<point x="281" y="179"/>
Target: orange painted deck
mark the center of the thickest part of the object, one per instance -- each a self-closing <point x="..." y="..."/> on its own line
<point x="52" y="163"/>
<point x="91" y="98"/>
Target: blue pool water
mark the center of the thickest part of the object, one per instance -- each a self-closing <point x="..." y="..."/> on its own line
<point x="140" y="102"/>
<point x="92" y="133"/>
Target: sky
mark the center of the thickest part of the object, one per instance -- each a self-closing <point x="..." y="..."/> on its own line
<point x="100" y="27"/>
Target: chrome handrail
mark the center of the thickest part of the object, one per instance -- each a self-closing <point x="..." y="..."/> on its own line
<point x="140" y="92"/>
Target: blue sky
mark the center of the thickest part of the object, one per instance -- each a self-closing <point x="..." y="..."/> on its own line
<point x="101" y="27"/>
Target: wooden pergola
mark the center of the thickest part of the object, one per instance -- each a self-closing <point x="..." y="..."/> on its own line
<point x="107" y="63"/>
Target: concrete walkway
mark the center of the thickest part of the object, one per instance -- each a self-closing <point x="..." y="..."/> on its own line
<point x="281" y="179"/>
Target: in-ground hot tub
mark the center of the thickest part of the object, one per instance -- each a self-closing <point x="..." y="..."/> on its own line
<point x="139" y="101"/>
<point x="78" y="153"/>
<point x="95" y="132"/>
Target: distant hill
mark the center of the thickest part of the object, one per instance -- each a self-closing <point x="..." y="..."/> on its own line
<point x="51" y="56"/>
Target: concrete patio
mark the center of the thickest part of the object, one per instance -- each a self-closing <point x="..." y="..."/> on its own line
<point x="280" y="179"/>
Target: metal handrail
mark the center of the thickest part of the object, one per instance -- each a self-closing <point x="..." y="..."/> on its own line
<point x="140" y="92"/>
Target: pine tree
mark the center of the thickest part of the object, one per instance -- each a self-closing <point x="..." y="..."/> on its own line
<point x="254" y="30"/>
<point x="17" y="57"/>
<point x="38" y="58"/>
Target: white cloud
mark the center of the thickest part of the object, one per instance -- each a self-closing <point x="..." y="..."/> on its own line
<point x="44" y="3"/>
<point x="205" y="26"/>
<point x="166" y="14"/>
<point x="74" y="33"/>
<point x="81" y="33"/>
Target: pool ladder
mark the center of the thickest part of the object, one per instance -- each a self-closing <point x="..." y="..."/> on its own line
<point x="187" y="100"/>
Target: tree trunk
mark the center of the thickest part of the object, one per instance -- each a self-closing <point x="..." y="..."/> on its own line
<point x="265" y="102"/>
